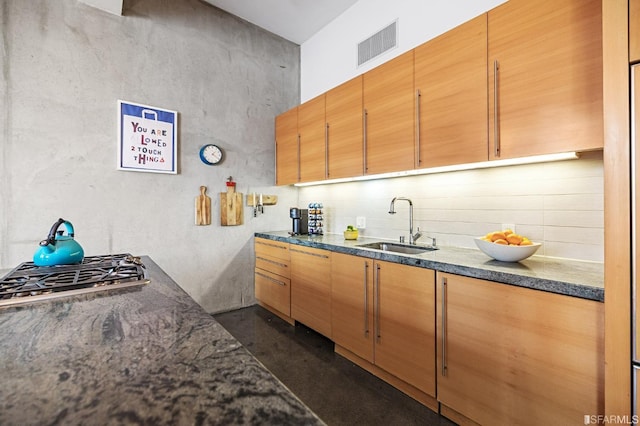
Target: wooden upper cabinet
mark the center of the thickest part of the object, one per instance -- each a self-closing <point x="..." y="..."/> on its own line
<point x="287" y="148"/>
<point x="313" y="144"/>
<point x="451" y="78"/>
<point x="634" y="30"/>
<point x="548" y="56"/>
<point x="344" y="121"/>
<point x="389" y="105"/>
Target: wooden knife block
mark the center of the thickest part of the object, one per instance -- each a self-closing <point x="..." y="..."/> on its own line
<point x="231" y="207"/>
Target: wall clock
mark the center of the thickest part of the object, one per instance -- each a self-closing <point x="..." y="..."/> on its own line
<point x="211" y="154"/>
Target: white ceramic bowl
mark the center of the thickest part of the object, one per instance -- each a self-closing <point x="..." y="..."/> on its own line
<point x="506" y="253"/>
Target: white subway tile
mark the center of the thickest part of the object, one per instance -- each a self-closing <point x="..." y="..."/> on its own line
<point x="559" y="204"/>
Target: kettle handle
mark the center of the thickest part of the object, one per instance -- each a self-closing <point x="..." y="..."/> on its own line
<point x="51" y="238"/>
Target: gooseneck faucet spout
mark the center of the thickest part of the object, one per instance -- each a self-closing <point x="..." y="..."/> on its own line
<point x="392" y="210"/>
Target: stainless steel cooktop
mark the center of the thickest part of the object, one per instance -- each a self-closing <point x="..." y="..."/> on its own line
<point x="28" y="283"/>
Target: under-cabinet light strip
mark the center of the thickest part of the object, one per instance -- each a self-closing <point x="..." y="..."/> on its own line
<point x="459" y="167"/>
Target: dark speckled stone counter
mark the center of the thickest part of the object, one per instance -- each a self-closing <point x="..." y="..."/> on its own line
<point x="562" y="276"/>
<point x="147" y="355"/>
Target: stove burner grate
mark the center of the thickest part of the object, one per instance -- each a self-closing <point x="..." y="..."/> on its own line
<point x="28" y="281"/>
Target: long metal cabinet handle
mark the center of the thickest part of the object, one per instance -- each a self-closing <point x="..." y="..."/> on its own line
<point x="496" y="110"/>
<point x="271" y="279"/>
<point x="272" y="245"/>
<point x="364" y="142"/>
<point x="326" y="150"/>
<point x="444" y="326"/>
<point x="264" y="259"/>
<point x="366" y="300"/>
<point x="299" y="157"/>
<point x="377" y="303"/>
<point x="418" y="159"/>
<point x="324" y="256"/>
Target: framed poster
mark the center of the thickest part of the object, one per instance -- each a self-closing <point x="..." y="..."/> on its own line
<point x="147" y="138"/>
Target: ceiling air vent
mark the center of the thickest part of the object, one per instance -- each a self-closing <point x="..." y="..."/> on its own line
<point x="380" y="42"/>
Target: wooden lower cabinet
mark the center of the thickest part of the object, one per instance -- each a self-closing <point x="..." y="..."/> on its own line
<point x="272" y="276"/>
<point x="311" y="288"/>
<point x="384" y="313"/>
<point x="352" y="304"/>
<point x="509" y="355"/>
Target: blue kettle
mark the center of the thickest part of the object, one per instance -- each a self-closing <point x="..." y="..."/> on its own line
<point x="59" y="249"/>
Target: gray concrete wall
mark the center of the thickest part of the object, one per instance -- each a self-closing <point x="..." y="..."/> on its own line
<point x="65" y="65"/>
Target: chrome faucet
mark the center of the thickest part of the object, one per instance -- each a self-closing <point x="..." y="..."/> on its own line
<point x="412" y="238"/>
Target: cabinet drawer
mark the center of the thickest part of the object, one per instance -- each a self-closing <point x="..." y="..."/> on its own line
<point x="274" y="249"/>
<point x="274" y="265"/>
<point x="273" y="290"/>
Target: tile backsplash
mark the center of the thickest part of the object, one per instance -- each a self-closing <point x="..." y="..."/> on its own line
<point x="559" y="204"/>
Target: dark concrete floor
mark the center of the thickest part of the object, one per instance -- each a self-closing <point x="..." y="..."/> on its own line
<point x="337" y="390"/>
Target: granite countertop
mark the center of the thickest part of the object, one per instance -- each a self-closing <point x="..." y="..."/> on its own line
<point x="562" y="276"/>
<point x="145" y="355"/>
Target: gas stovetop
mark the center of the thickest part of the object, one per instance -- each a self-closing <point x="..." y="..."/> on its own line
<point x="29" y="283"/>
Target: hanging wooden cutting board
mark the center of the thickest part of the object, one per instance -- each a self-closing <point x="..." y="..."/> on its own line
<point x="203" y="208"/>
<point x="231" y="206"/>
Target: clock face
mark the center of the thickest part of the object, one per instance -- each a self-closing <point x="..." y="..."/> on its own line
<point x="210" y="154"/>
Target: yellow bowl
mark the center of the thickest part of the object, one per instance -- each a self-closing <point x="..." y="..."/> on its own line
<point x="351" y="235"/>
<point x="506" y="253"/>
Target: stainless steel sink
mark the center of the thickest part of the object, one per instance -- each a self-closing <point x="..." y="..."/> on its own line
<point x="398" y="248"/>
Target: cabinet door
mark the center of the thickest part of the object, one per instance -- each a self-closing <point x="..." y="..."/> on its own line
<point x="545" y="77"/>
<point x="511" y="355"/>
<point x="389" y="104"/>
<point x="311" y="288"/>
<point x="405" y="323"/>
<point x="287" y="148"/>
<point x="344" y="121"/>
<point x="313" y="144"/>
<point x="352" y="304"/>
<point x="451" y="78"/>
<point x="634" y="30"/>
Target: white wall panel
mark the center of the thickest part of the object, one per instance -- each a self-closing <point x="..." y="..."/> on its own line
<point x="330" y="57"/>
<point x="558" y="204"/>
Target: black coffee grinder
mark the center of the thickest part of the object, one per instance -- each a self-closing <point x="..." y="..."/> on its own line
<point x="300" y="218"/>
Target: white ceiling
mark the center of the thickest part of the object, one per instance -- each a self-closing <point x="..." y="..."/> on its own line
<point x="294" y="20"/>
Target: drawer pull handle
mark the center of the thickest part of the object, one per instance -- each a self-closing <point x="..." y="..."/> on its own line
<point x="272" y="279"/>
<point x="324" y="256"/>
<point x="272" y="245"/>
<point x="273" y="262"/>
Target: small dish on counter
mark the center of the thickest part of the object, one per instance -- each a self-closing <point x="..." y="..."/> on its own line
<point x="350" y="234"/>
<point x="506" y="253"/>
